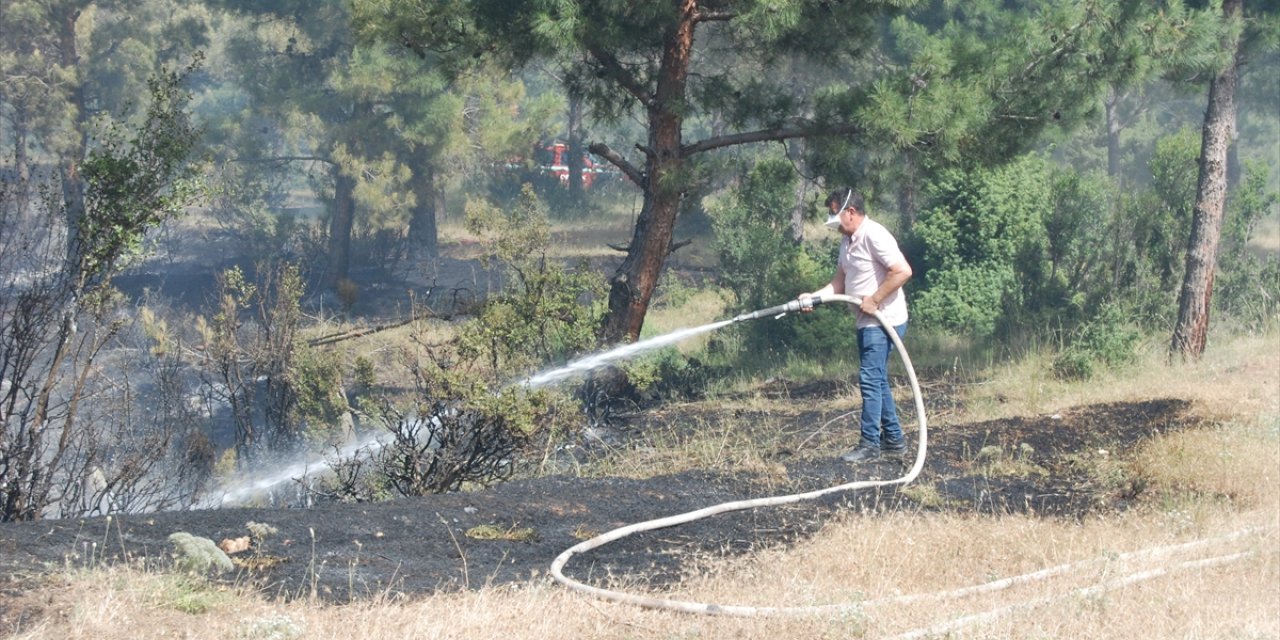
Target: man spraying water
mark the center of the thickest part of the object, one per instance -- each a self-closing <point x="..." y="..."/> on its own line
<point x="870" y="266"/>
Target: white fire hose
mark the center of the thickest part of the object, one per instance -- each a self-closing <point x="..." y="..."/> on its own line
<point x="557" y="565"/>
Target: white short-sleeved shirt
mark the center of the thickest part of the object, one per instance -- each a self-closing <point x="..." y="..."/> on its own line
<point x="865" y="258"/>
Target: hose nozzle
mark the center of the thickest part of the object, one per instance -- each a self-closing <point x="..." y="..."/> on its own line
<point x="801" y="304"/>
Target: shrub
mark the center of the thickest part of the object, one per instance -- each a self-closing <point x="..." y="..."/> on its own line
<point x="668" y="373"/>
<point x="197" y="555"/>
<point x="255" y="361"/>
<point x="545" y="312"/>
<point x="1107" y="341"/>
<point x="978" y="246"/>
<point x="762" y="265"/>
<point x="443" y="445"/>
<point x="1248" y="286"/>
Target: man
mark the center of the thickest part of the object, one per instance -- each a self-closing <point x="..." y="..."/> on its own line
<point x="871" y="267"/>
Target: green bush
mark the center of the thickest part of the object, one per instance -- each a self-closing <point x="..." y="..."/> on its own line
<point x="980" y="244"/>
<point x="1107" y="341"/>
<point x="1031" y="248"/>
<point x="545" y="312"/>
<point x="762" y="265"/>
<point x="668" y="373"/>
<point x="1248" y="286"/>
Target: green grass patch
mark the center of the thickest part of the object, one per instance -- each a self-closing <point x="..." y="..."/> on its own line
<point x="497" y="532"/>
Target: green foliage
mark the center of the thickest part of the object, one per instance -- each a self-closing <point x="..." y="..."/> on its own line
<point x="1164" y="227"/>
<point x="281" y="391"/>
<point x="1031" y="247"/>
<point x="1248" y="284"/>
<point x="669" y="374"/>
<point x="752" y="235"/>
<point x="1078" y="248"/>
<point x="1148" y="230"/>
<point x="1108" y="340"/>
<point x="545" y="312"/>
<point x="137" y="178"/>
<point x="192" y="595"/>
<point x="365" y="373"/>
<point x="980" y="83"/>
<point x="975" y="244"/>
<point x="77" y="238"/>
<point x="965" y="301"/>
<point x="459" y="430"/>
<point x="761" y="265"/>
<point x="315" y="378"/>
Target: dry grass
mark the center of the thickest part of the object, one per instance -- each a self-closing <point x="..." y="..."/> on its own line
<point x="1266" y="236"/>
<point x="703" y="306"/>
<point x="1237" y="376"/>
<point x="1234" y="463"/>
<point x="1124" y="575"/>
<point x="863" y="559"/>
<point x="700" y="444"/>
<point x="868" y="559"/>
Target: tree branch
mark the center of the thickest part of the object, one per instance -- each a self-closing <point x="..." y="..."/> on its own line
<point x="604" y="151"/>
<point x="282" y="159"/>
<point x="764" y="135"/>
<point x="621" y="75"/>
<point x="714" y="16"/>
<point x="671" y="248"/>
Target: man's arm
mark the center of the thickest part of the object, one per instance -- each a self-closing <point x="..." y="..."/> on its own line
<point x="895" y="276"/>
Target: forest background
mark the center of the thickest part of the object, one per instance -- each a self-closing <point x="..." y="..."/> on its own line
<point x="204" y="202"/>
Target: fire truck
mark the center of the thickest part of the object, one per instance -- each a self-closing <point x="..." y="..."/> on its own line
<point x="552" y="160"/>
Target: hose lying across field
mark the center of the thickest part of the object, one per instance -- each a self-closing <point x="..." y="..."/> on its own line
<point x="697" y="607"/>
<point x="558" y="564"/>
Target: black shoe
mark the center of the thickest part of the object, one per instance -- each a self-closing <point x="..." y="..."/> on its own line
<point x="861" y="453"/>
<point x="893" y="449"/>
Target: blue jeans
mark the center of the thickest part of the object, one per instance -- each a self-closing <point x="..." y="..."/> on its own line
<point x="880" y="426"/>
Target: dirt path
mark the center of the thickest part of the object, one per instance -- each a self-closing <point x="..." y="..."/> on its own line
<point x="355" y="551"/>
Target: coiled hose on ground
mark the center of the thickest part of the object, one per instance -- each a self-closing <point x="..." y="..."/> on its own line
<point x="558" y="564"/>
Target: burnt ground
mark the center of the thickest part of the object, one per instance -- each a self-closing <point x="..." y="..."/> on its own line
<point x="1044" y="465"/>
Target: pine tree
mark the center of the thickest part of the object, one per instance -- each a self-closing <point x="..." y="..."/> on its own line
<point x="1244" y="30"/>
<point x="888" y="92"/>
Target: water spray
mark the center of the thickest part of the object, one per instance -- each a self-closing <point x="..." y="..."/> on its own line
<point x="598" y="360"/>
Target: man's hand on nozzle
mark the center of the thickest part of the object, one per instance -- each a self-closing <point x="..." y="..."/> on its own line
<point x="806" y="301"/>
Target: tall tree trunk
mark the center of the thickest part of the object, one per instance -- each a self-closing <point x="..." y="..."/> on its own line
<point x="21" y="157"/>
<point x="1211" y="195"/>
<point x="21" y="161"/>
<point x="1234" y="170"/>
<point x="424" y="234"/>
<point x="1112" y="105"/>
<point x="574" y="161"/>
<point x="908" y="194"/>
<point x="631" y="287"/>
<point x="69" y="169"/>
<point x="340" y="224"/>
<point x="796" y="153"/>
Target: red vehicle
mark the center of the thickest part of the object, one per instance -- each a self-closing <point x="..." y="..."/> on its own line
<point x="553" y="160"/>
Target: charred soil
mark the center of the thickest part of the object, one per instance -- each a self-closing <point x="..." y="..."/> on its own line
<point x="1043" y="465"/>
